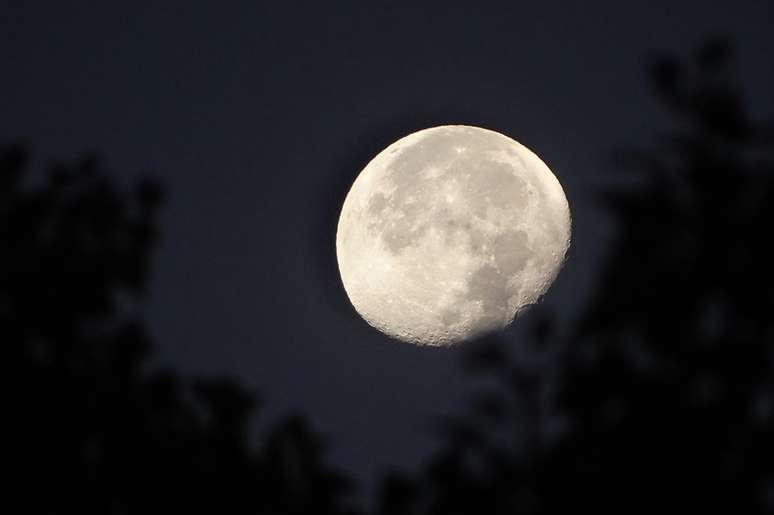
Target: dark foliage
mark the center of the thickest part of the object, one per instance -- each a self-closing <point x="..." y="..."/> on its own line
<point x="662" y="400"/>
<point x="93" y="430"/>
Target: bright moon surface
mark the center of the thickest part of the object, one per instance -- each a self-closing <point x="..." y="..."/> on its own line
<point x="449" y="233"/>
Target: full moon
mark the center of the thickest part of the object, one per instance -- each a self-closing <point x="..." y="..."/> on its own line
<point x="449" y="233"/>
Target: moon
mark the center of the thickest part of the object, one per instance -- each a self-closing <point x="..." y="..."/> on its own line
<point x="449" y="233"/>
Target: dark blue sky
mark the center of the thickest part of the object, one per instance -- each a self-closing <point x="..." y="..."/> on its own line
<point x="258" y="115"/>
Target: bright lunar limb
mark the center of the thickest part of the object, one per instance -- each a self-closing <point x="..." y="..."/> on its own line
<point x="449" y="232"/>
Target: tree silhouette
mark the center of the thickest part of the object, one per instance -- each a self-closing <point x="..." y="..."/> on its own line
<point x="93" y="430"/>
<point x="663" y="397"/>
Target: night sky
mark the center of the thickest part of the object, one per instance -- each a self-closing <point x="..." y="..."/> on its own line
<point x="258" y="115"/>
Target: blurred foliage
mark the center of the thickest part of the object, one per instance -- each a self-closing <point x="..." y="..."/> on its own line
<point x="92" y="429"/>
<point x="662" y="399"/>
